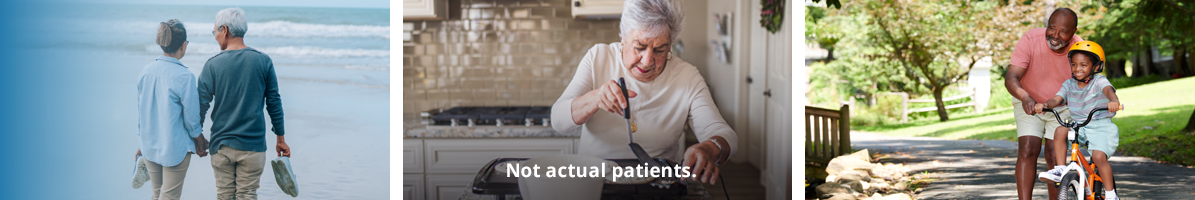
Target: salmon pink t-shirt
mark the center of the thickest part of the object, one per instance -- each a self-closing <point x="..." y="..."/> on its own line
<point x="1045" y="69"/>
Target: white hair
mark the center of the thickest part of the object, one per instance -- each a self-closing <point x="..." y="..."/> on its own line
<point x="234" y="18"/>
<point x="652" y="17"/>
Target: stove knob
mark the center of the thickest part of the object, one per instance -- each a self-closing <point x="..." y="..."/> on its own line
<point x="455" y="122"/>
<point x="472" y="122"/>
<point x="547" y="122"/>
<point x="528" y="122"/>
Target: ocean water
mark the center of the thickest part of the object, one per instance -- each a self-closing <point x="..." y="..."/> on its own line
<point x="75" y="70"/>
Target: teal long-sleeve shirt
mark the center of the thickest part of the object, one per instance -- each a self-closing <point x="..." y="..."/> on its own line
<point x="239" y="85"/>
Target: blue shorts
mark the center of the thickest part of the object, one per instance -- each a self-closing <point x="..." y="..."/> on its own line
<point x="1100" y="134"/>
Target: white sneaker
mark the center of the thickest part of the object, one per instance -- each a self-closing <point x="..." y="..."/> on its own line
<point x="1110" y="195"/>
<point x="140" y="173"/>
<point x="1052" y="176"/>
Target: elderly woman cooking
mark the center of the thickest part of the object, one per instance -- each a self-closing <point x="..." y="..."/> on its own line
<point x="664" y="92"/>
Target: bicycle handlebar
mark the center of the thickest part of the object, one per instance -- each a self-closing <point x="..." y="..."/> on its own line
<point x="1089" y="115"/>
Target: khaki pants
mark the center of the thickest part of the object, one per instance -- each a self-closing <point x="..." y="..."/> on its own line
<point x="237" y="172"/>
<point x="168" y="181"/>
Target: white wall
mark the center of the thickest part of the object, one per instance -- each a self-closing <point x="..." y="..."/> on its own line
<point x="722" y="78"/>
<point x="694" y="34"/>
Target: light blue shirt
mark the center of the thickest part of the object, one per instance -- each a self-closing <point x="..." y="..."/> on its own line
<point x="1082" y="101"/>
<point x="167" y="111"/>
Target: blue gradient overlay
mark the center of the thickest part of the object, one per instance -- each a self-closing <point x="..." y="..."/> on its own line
<point x="54" y="111"/>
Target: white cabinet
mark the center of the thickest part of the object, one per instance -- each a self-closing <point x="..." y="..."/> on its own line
<point x="436" y="169"/>
<point x="469" y="155"/>
<point x="424" y="9"/>
<point x="412" y="156"/>
<point x="447" y="186"/>
<point x="597" y="8"/>
<point x="412" y="186"/>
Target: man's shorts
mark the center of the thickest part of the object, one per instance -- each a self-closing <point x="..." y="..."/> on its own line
<point x="1039" y="124"/>
<point x="1102" y="135"/>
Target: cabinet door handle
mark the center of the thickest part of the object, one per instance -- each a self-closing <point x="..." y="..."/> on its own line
<point x="749" y="80"/>
<point x="767" y="93"/>
<point x="577" y="3"/>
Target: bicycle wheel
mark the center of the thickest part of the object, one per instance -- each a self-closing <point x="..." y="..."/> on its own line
<point x="1097" y="190"/>
<point x="1071" y="188"/>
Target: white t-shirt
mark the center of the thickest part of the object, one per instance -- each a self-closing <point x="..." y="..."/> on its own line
<point x="659" y="111"/>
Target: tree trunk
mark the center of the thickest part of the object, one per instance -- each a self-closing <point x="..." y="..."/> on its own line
<point x="1180" y="62"/>
<point x="1115" y="68"/>
<point x="1190" y="124"/>
<point x="1190" y="62"/>
<point x="941" y="105"/>
<point x="829" y="54"/>
<point x="1144" y="65"/>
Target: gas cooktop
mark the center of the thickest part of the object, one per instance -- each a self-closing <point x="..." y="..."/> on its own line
<point x="490" y="116"/>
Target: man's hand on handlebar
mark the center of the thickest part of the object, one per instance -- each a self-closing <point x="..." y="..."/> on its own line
<point x="1040" y="107"/>
<point x="1027" y="102"/>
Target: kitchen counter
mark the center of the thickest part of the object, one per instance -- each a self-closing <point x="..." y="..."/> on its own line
<point x="412" y="128"/>
<point x="424" y="131"/>
<point x="696" y="192"/>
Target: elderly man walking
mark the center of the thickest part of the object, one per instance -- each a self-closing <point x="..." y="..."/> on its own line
<point x="1039" y="67"/>
<point x="241" y="81"/>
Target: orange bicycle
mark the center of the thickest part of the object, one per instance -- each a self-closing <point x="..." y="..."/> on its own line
<point x="1081" y="180"/>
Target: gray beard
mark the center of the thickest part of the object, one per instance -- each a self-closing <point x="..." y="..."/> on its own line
<point x="1060" y="44"/>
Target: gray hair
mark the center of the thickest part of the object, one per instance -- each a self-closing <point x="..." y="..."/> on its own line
<point x="234" y="18"/>
<point x="652" y="17"/>
<point x="171" y="35"/>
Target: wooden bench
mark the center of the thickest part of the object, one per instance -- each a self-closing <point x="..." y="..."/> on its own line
<point x="827" y="135"/>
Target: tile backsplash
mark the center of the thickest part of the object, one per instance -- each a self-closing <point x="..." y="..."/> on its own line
<point x="496" y="53"/>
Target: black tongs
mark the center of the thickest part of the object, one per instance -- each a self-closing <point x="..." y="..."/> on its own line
<point x="626" y="113"/>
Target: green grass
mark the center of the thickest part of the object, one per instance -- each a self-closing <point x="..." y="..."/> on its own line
<point x="1149" y="126"/>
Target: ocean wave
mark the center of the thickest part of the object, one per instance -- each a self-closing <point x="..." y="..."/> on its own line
<point x="303" y="30"/>
<point x="284" y="51"/>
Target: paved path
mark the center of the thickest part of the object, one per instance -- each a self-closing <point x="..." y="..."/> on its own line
<point x="983" y="169"/>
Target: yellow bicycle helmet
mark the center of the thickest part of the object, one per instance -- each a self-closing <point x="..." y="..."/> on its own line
<point x="1088" y="47"/>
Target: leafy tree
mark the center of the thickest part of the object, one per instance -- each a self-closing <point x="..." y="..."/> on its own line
<point x="931" y="44"/>
<point x="1131" y="29"/>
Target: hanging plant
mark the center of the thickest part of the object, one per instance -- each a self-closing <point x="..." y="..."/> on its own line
<point x="772" y="14"/>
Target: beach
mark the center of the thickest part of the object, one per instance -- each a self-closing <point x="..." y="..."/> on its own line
<point x="333" y="73"/>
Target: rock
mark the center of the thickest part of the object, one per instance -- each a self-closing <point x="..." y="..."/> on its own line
<point x="853" y="185"/>
<point x="857" y="160"/>
<point x="900" y="186"/>
<point x="889" y="171"/>
<point x="863" y="155"/>
<point x="877" y="196"/>
<point x="879" y="185"/>
<point x="878" y="181"/>
<point x="858" y="175"/>
<point x="829" y="189"/>
<point x="843" y="196"/>
<point x="831" y="178"/>
<point x="898" y="196"/>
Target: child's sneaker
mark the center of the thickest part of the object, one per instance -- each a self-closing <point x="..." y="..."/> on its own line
<point x="1052" y="176"/>
<point x="1110" y="195"/>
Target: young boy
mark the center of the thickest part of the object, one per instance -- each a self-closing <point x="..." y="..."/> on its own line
<point x="1086" y="91"/>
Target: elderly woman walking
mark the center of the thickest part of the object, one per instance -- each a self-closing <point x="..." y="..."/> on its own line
<point x="168" y="115"/>
<point x="664" y="93"/>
